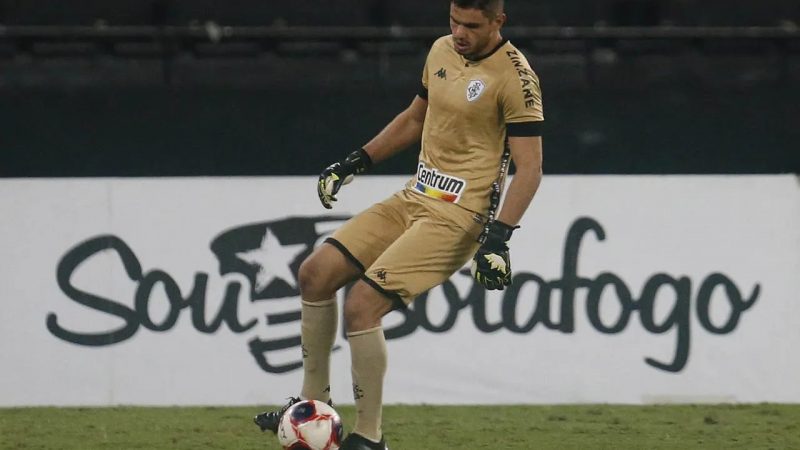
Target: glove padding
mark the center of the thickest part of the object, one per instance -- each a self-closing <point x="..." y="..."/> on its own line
<point x="340" y="173"/>
<point x="491" y="265"/>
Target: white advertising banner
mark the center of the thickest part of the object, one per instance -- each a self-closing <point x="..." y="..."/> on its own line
<point x="627" y="289"/>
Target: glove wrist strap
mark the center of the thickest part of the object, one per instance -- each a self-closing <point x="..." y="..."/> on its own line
<point x="358" y="162"/>
<point x="498" y="233"/>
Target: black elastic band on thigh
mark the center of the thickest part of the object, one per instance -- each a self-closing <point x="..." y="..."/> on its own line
<point x="346" y="253"/>
<point x="397" y="302"/>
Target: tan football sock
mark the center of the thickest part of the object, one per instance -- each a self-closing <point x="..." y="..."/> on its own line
<point x="369" y="358"/>
<point x="317" y="332"/>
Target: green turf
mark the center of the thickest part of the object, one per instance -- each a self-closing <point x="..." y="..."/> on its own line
<point x="763" y="426"/>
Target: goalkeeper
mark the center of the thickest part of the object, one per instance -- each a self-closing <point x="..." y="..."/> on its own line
<point x="479" y="107"/>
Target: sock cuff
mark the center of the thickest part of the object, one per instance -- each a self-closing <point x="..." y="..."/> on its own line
<point x="368" y="331"/>
<point x="320" y="304"/>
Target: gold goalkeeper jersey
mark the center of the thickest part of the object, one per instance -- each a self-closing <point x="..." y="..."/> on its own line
<point x="472" y="107"/>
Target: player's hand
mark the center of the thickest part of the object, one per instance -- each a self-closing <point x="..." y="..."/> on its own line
<point x="340" y="173"/>
<point x="491" y="265"/>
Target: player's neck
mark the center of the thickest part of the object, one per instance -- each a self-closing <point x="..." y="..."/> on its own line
<point x="492" y="47"/>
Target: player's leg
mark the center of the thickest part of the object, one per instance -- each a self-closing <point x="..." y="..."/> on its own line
<point x="340" y="260"/>
<point x="332" y="265"/>
<point x="322" y="274"/>
<point x="440" y="242"/>
<point x="363" y="310"/>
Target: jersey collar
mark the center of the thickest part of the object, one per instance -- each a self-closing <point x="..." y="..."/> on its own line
<point x="494" y="50"/>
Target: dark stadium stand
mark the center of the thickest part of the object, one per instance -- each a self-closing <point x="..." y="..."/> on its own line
<point x="405" y="13"/>
<point x="206" y="87"/>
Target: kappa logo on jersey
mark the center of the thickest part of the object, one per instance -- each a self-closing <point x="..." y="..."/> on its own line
<point x="439" y="185"/>
<point x="475" y="89"/>
<point x="442" y="73"/>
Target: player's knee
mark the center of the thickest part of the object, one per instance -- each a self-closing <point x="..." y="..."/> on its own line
<point x="311" y="278"/>
<point x="356" y="317"/>
<point x="364" y="308"/>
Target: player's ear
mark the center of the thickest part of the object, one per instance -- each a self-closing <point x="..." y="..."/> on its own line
<point x="500" y="20"/>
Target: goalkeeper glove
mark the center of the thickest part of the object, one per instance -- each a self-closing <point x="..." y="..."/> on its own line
<point x="340" y="173"/>
<point x="491" y="265"/>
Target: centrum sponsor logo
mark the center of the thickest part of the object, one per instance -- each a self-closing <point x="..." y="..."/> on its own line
<point x="435" y="184"/>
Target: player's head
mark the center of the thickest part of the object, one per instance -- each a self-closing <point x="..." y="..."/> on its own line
<point x="475" y="25"/>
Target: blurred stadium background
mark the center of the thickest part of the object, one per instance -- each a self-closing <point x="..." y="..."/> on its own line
<point x="202" y="87"/>
<point x="93" y="90"/>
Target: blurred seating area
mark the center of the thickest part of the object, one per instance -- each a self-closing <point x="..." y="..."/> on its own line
<point x="411" y="13"/>
<point x="256" y="43"/>
<point x="631" y="86"/>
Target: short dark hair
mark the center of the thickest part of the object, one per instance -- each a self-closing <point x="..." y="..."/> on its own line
<point x="490" y="8"/>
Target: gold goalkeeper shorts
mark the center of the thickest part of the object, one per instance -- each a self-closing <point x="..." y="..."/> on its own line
<point x="409" y="243"/>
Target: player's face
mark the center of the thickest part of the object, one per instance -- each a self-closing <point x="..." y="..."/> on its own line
<point x="474" y="34"/>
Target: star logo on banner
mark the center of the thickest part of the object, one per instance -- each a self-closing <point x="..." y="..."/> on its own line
<point x="272" y="260"/>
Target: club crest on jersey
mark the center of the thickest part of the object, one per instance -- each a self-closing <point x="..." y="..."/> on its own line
<point x="475" y="89"/>
<point x="435" y="184"/>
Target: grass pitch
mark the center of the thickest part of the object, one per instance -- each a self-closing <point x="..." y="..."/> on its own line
<point x="762" y="426"/>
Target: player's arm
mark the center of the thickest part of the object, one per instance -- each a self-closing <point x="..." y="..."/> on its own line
<point x="402" y="132"/>
<point x="491" y="265"/>
<point x="526" y="151"/>
<point x="521" y="102"/>
<point x="405" y="129"/>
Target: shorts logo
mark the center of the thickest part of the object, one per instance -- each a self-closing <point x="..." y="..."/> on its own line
<point x="381" y="274"/>
<point x="439" y="185"/>
<point x="474" y="89"/>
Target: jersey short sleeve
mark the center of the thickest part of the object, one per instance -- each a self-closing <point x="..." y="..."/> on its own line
<point x="425" y="75"/>
<point x="521" y="97"/>
<point x="423" y="90"/>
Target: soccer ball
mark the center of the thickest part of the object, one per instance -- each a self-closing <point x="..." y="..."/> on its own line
<point x="310" y="425"/>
